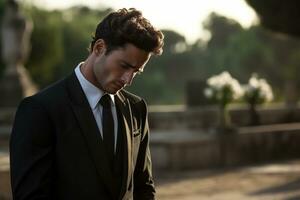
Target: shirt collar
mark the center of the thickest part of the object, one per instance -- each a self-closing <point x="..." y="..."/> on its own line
<point x="92" y="92"/>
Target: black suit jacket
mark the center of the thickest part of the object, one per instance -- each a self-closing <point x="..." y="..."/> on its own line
<point x="56" y="150"/>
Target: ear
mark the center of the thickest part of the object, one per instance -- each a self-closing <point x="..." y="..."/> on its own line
<point x="99" y="47"/>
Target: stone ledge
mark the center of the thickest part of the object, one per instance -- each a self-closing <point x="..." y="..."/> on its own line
<point x="270" y="128"/>
<point x="199" y="118"/>
<point x="194" y="150"/>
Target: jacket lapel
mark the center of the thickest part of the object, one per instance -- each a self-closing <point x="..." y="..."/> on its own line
<point x="90" y="131"/>
<point x="125" y="112"/>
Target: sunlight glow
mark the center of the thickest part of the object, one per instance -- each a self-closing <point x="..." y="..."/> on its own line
<point x="185" y="17"/>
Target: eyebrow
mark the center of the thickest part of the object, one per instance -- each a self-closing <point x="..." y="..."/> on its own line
<point x="133" y="67"/>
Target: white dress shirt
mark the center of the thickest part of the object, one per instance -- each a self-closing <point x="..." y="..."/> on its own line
<point x="93" y="95"/>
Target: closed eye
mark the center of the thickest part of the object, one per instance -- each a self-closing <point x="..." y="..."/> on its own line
<point x="127" y="66"/>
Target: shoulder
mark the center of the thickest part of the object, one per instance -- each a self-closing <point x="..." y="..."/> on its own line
<point x="136" y="101"/>
<point x="133" y="99"/>
<point x="50" y="96"/>
<point x="130" y="96"/>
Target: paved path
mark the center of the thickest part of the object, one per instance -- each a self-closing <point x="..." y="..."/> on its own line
<point x="276" y="181"/>
<point x="4" y="176"/>
<point x="266" y="182"/>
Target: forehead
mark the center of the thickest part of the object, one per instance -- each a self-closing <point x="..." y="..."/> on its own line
<point x="132" y="55"/>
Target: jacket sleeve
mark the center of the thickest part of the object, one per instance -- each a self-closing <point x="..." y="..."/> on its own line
<point x="143" y="181"/>
<point x="31" y="152"/>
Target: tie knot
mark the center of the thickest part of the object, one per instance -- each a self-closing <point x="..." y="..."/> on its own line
<point x="105" y="100"/>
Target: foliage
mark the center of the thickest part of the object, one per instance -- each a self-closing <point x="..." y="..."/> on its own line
<point x="61" y="37"/>
<point x="59" y="40"/>
<point x="2" y="66"/>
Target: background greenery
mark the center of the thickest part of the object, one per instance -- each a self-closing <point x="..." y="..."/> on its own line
<point x="61" y="37"/>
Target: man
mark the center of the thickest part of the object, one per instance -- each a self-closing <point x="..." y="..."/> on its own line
<point x="85" y="137"/>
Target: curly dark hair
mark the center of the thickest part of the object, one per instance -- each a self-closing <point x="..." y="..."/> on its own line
<point x="128" y="26"/>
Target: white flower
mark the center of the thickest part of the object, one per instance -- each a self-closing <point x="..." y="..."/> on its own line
<point x="253" y="82"/>
<point x="265" y="90"/>
<point x="237" y="89"/>
<point x="260" y="86"/>
<point x="218" y="83"/>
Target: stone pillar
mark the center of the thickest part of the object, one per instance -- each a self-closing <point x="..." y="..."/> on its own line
<point x="16" y="30"/>
<point x="291" y="99"/>
<point x="291" y="93"/>
<point x="194" y="93"/>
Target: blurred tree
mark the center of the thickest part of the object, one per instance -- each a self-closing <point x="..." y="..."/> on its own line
<point x="2" y="65"/>
<point x="278" y="15"/>
<point x="245" y="51"/>
<point x="79" y="23"/>
<point x="61" y="37"/>
<point x="60" y="40"/>
<point x="221" y="29"/>
<point x="47" y="47"/>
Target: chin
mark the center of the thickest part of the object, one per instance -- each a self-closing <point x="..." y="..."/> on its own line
<point x="112" y="91"/>
<point x="112" y="88"/>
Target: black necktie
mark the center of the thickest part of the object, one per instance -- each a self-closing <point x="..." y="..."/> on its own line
<point x="108" y="127"/>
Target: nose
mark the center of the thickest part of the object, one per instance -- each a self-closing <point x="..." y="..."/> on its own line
<point x="127" y="78"/>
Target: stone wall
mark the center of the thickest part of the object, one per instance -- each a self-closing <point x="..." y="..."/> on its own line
<point x="199" y="118"/>
<point x="250" y="145"/>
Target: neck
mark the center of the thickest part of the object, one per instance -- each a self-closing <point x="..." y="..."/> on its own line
<point x="87" y="71"/>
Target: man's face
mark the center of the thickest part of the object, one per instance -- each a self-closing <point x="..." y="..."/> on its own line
<point x="117" y="69"/>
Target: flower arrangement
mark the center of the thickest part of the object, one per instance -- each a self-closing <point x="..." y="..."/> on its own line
<point x="256" y="92"/>
<point x="223" y="89"/>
